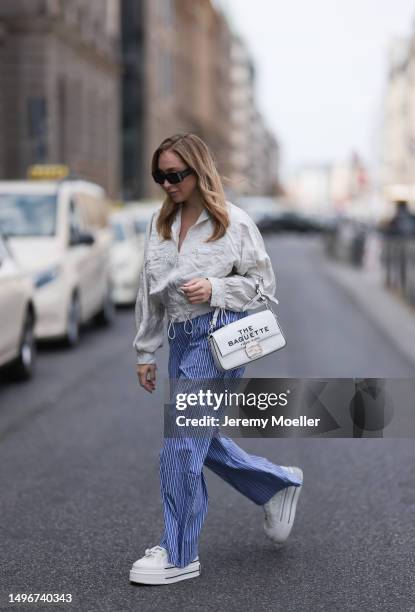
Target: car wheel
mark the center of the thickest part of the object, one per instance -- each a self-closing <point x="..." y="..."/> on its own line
<point x="106" y="315"/>
<point x="23" y="367"/>
<point x="74" y="322"/>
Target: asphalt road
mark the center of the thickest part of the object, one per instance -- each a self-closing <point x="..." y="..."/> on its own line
<point x="79" y="481"/>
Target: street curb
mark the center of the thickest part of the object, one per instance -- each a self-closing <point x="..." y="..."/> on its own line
<point x="389" y="311"/>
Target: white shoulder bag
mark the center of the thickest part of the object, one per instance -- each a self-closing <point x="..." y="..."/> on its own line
<point x="247" y="339"/>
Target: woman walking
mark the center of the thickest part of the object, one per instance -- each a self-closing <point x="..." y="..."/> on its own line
<point x="201" y="252"/>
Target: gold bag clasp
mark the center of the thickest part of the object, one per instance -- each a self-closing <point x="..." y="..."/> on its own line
<point x="253" y="349"/>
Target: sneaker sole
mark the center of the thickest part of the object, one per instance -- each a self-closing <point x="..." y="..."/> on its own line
<point x="287" y="516"/>
<point x="167" y="576"/>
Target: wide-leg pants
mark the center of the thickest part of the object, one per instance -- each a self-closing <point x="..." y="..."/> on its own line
<point x="183" y="488"/>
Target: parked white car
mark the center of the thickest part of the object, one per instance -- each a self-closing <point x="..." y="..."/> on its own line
<point x="17" y="317"/>
<point x="60" y="234"/>
<point x="126" y="259"/>
<point x="141" y="212"/>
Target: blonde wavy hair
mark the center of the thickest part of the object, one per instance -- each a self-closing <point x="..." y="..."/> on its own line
<point x="197" y="156"/>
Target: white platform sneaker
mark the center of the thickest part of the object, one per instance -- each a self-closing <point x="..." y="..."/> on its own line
<point x="154" y="568"/>
<point x="280" y="510"/>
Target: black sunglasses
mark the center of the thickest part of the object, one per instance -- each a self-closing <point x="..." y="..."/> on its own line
<point x="171" y="177"/>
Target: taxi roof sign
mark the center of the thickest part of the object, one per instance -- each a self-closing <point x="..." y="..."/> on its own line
<point x="48" y="171"/>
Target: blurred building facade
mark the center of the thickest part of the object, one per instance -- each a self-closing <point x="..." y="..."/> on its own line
<point x="254" y="154"/>
<point x="59" y="94"/>
<point x="264" y="159"/>
<point x="182" y="61"/>
<point x="334" y="187"/>
<point x="242" y="105"/>
<point x="398" y="143"/>
<point x="184" y="70"/>
<point x="98" y="84"/>
<point x="133" y="112"/>
<point x="309" y="188"/>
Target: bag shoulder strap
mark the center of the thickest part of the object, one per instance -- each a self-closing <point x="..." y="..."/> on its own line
<point x="214" y="319"/>
<point x="258" y="297"/>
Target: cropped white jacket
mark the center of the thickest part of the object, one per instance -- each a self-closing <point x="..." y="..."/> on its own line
<point x="233" y="264"/>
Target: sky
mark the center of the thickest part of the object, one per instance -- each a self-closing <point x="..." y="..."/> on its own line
<point x="321" y="69"/>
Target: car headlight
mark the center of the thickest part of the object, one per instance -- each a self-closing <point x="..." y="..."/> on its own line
<point x="46" y="276"/>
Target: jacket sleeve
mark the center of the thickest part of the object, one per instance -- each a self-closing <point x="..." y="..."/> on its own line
<point x="238" y="292"/>
<point x="149" y="315"/>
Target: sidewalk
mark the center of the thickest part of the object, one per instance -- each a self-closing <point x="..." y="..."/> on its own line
<point x="389" y="311"/>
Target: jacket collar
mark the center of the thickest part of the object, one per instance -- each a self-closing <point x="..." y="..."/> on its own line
<point x="176" y="225"/>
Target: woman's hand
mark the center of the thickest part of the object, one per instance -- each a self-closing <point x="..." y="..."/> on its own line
<point x="198" y="290"/>
<point x="147" y="376"/>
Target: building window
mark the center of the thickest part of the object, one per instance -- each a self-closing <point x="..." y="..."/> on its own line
<point x="38" y="128"/>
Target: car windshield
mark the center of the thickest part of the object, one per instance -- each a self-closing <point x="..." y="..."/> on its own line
<point x="118" y="231"/>
<point x="27" y="214"/>
<point x="141" y="226"/>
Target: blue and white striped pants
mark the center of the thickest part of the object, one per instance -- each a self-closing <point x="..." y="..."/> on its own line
<point x="183" y="487"/>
